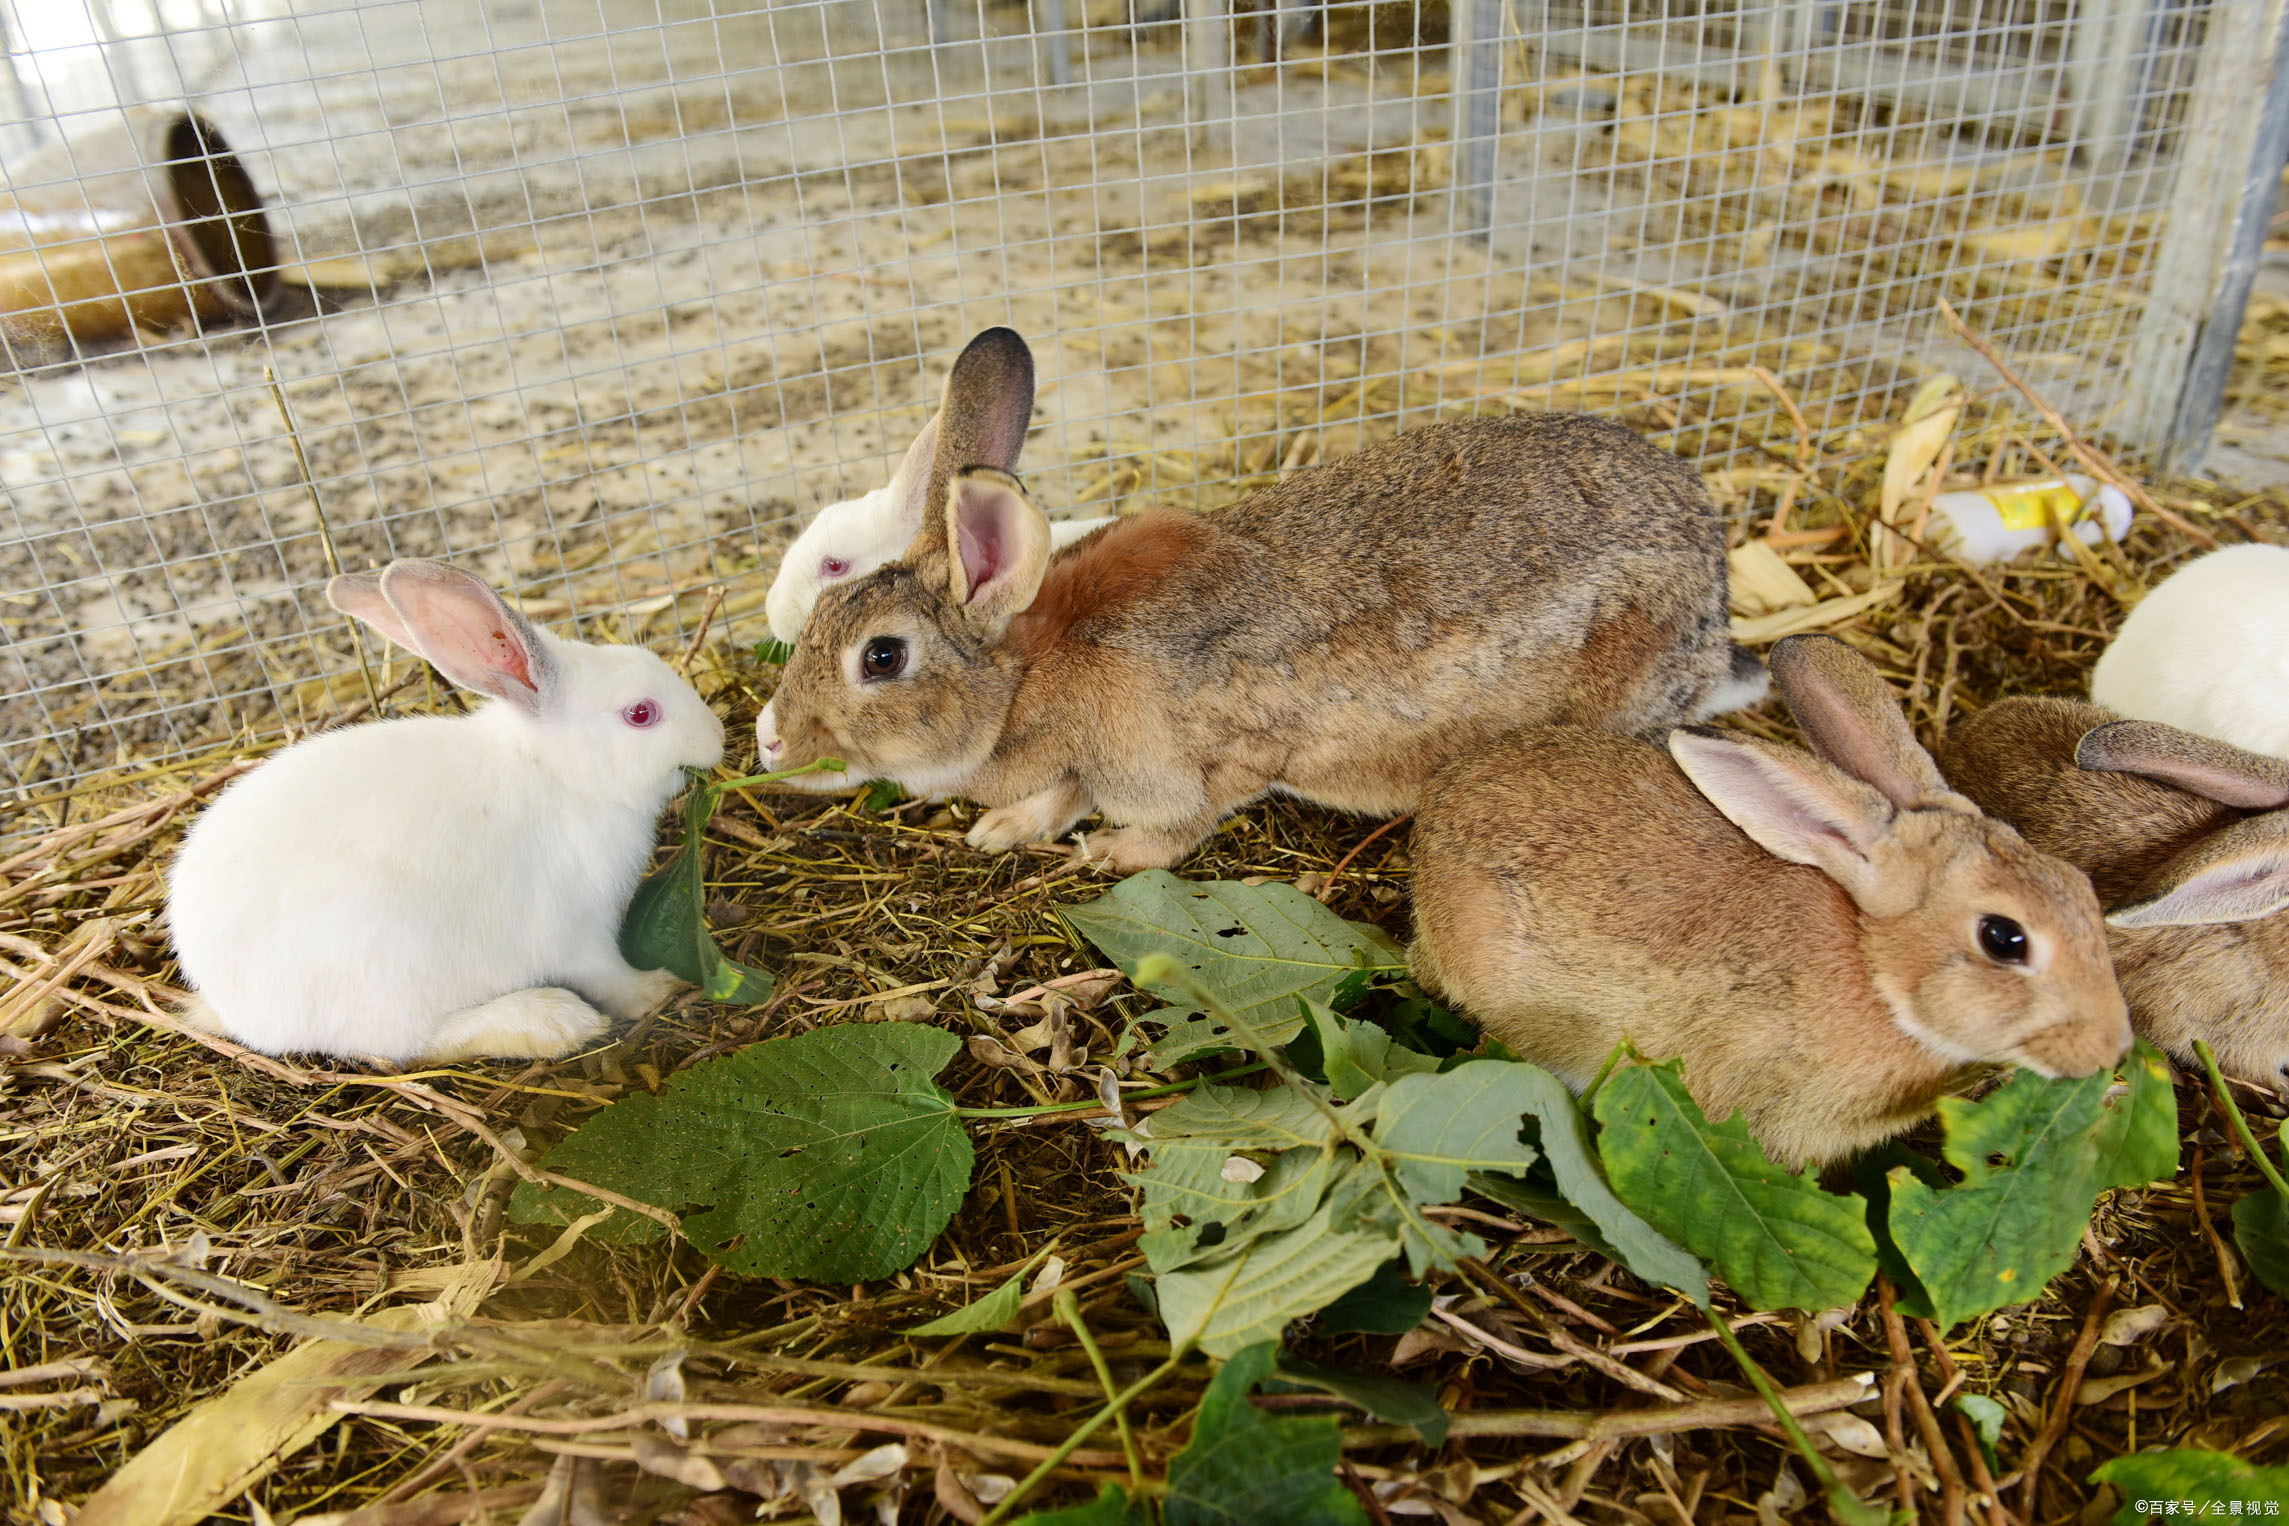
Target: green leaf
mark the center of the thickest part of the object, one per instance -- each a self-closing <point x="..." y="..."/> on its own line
<point x="1111" y="1507"/>
<point x="666" y="924"/>
<point x="2032" y="1164"/>
<point x="1244" y="1467"/>
<point x="775" y="653"/>
<point x="1986" y="1417"/>
<point x="990" y="1312"/>
<point x="1385" y="1304"/>
<point x="1774" y="1237"/>
<point x="1256" y="947"/>
<point x="830" y="1154"/>
<point x="1253" y="1294"/>
<point x="1392" y="1400"/>
<point x="880" y="795"/>
<point x="2138" y="1132"/>
<point x="1440" y="1128"/>
<point x="2261" y="1233"/>
<point x="2191" y="1473"/>
<point x="1619" y="1233"/>
<point x="1195" y="1211"/>
<point x="1354" y="1055"/>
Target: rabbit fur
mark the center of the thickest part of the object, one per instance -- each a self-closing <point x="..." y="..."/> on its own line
<point x="1335" y="636"/>
<point x="1805" y="932"/>
<point x="2208" y="651"/>
<point x="2186" y="840"/>
<point x="848" y="540"/>
<point x="434" y="887"/>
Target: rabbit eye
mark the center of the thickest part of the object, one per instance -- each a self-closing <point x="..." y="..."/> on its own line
<point x="884" y="657"/>
<point x="644" y="712"/>
<point x="833" y="567"/>
<point x="2002" y="940"/>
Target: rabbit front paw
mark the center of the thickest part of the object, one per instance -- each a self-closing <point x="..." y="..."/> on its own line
<point x="1043" y="816"/>
<point x="1132" y="850"/>
<point x="539" y="1024"/>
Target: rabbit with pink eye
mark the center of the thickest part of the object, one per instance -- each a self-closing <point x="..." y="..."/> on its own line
<point x="1335" y="636"/>
<point x="1830" y="943"/>
<point x="2186" y="839"/>
<point x="2208" y="651"/>
<point x="848" y="540"/>
<point x="436" y="887"/>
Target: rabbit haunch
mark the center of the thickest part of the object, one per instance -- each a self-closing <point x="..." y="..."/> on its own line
<point x="2186" y="840"/>
<point x="1334" y="637"/>
<point x="1829" y="943"/>
<point x="440" y="886"/>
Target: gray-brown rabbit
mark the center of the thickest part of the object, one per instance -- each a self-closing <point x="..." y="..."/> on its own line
<point x="2186" y="840"/>
<point x="1830" y="946"/>
<point x="1334" y="637"/>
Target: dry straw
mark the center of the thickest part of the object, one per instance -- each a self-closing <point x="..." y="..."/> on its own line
<point x="181" y="1218"/>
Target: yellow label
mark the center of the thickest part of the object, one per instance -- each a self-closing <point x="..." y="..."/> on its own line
<point x="2030" y="507"/>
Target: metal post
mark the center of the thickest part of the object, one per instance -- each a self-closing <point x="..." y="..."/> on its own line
<point x="1208" y="69"/>
<point x="2204" y="392"/>
<point x="1052" y="21"/>
<point x="1477" y="74"/>
<point x="2213" y="232"/>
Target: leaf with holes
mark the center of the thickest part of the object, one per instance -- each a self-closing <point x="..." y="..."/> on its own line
<point x="2031" y="1158"/>
<point x="2138" y="1129"/>
<point x="1355" y="1056"/>
<point x="1256" y="947"/>
<point x="1773" y="1236"/>
<point x="1253" y="1293"/>
<point x="830" y="1154"/>
<point x="1244" y="1467"/>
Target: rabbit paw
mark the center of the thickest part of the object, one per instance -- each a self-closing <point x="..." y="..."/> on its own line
<point x="539" y="1024"/>
<point x="1043" y="816"/>
<point x="1131" y="850"/>
<point x="636" y="993"/>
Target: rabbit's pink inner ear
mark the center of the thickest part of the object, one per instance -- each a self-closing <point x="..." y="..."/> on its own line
<point x="359" y="596"/>
<point x="469" y="633"/>
<point x="1792" y="806"/>
<point x="2236" y="875"/>
<point x="1000" y="544"/>
<point x="2204" y="766"/>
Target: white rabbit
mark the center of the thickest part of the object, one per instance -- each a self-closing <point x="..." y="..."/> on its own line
<point x="850" y="539"/>
<point x="2208" y="651"/>
<point x="443" y="886"/>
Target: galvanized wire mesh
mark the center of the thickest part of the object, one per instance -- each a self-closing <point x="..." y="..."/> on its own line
<point x="602" y="298"/>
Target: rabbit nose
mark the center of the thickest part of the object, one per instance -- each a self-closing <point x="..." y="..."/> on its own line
<point x="768" y="743"/>
<point x="2080" y="1048"/>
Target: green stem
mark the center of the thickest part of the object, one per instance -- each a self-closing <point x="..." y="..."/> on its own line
<point x="1612" y="1058"/>
<point x="1069" y="1310"/>
<point x="2240" y="1124"/>
<point x="1048" y="1109"/>
<point x="1842" y="1502"/>
<point x="1071" y="1444"/>
<point x="823" y="765"/>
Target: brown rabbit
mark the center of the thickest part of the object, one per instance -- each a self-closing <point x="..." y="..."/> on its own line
<point x="2186" y="840"/>
<point x="1830" y="946"/>
<point x="1335" y="637"/>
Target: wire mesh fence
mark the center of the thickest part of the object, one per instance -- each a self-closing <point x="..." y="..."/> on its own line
<point x="602" y="298"/>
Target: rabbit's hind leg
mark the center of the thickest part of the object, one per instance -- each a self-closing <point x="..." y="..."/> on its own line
<point x="539" y="1024"/>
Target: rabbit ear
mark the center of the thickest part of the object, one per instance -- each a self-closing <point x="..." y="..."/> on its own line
<point x="359" y="595"/>
<point x="2215" y="770"/>
<point x="999" y="545"/>
<point x="1792" y="806"/>
<point x="470" y="635"/>
<point x="1852" y="719"/>
<point x="2235" y="875"/>
<point x="982" y="420"/>
<point x="910" y="487"/>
